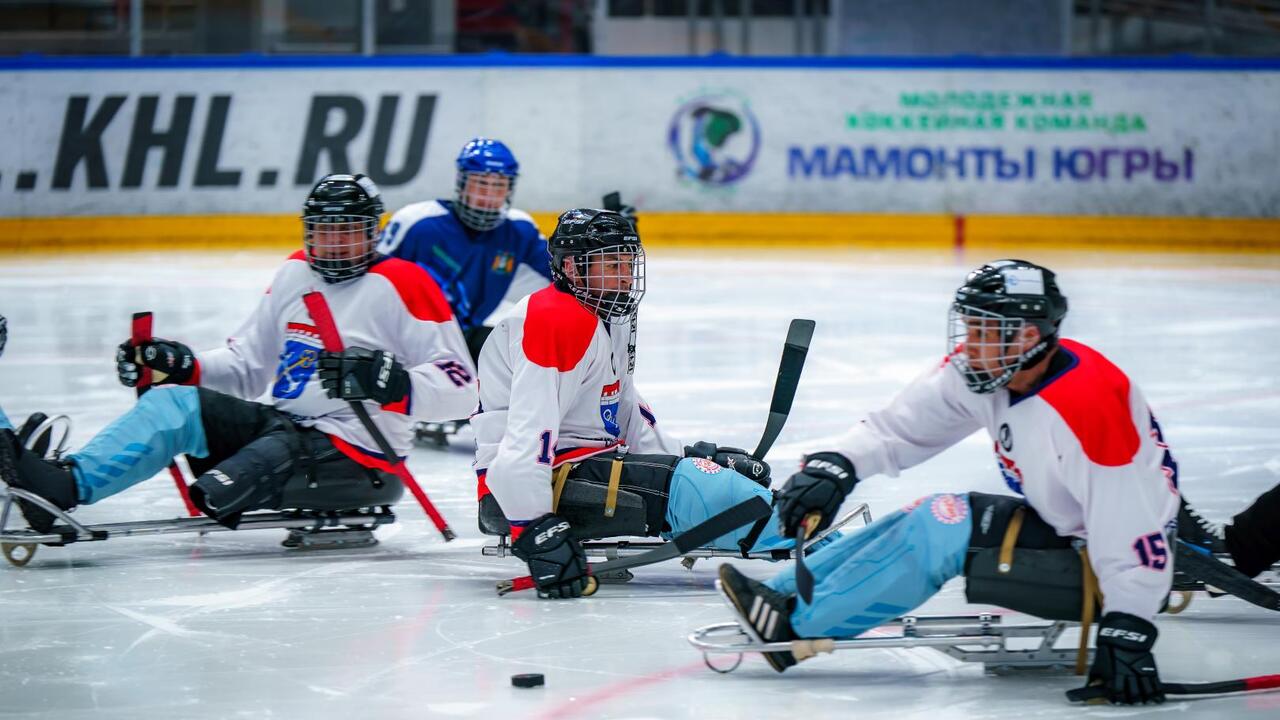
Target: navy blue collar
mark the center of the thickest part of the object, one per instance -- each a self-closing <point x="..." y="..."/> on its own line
<point x="1060" y="364"/>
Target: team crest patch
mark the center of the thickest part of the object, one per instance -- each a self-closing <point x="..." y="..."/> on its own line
<point x="609" y="408"/>
<point x="298" y="361"/>
<point x="949" y="509"/>
<point x="706" y="466"/>
<point x="503" y="263"/>
<point x="1009" y="470"/>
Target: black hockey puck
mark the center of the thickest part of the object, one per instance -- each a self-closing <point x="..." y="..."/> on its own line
<point x="528" y="680"/>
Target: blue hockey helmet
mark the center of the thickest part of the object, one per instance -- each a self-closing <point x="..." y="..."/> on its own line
<point x="487" y="172"/>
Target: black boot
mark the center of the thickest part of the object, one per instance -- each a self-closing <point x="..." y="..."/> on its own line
<point x="1195" y="530"/>
<point x="40" y="445"/>
<point x="1253" y="537"/>
<point x="766" y="612"/>
<point x="50" y="481"/>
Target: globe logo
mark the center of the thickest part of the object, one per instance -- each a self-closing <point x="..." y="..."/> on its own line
<point x="715" y="139"/>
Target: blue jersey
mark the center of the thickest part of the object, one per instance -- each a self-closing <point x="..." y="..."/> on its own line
<point x="476" y="270"/>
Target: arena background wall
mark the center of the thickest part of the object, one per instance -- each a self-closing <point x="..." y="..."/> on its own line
<point x="1171" y="154"/>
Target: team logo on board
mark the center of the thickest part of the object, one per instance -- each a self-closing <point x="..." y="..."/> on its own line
<point x="715" y="139"/>
<point x="609" y="408"/>
<point x="298" y="361"/>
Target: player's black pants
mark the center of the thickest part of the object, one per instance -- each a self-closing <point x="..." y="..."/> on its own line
<point x="258" y="459"/>
<point x="607" y="495"/>
<point x="1018" y="561"/>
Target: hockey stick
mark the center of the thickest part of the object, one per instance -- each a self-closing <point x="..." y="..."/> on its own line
<point x="318" y="307"/>
<point x="717" y="525"/>
<point x="1095" y="693"/>
<point x="794" y="351"/>
<point x="799" y="333"/>
<point x="1211" y="571"/>
<point x="141" y="333"/>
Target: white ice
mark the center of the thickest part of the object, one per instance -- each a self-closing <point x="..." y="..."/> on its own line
<point x="233" y="625"/>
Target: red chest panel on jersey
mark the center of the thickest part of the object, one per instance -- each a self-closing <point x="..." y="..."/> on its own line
<point x="421" y="296"/>
<point x="1093" y="399"/>
<point x="557" y="330"/>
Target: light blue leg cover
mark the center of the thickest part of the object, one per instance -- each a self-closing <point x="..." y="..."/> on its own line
<point x="882" y="571"/>
<point x="4" y="421"/>
<point x="165" y="423"/>
<point x="697" y="494"/>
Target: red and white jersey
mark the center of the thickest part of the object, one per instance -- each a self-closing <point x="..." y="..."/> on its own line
<point x="395" y="307"/>
<point x="555" y="386"/>
<point x="1082" y="447"/>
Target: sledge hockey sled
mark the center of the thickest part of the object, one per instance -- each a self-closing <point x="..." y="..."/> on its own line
<point x="329" y="513"/>
<point x="981" y="637"/>
<point x="612" y="550"/>
<point x="436" y="434"/>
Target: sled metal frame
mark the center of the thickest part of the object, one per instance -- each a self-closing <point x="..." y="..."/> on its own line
<point x="436" y="434"/>
<point x="311" y="524"/>
<point x="601" y="550"/>
<point x="981" y="637"/>
<point x="50" y="425"/>
<point x="308" y="529"/>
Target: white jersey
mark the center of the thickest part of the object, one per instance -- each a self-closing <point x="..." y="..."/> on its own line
<point x="395" y="307"/>
<point x="1082" y="447"/>
<point x="555" y="386"/>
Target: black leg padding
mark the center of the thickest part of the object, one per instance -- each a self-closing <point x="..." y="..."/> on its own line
<point x="1253" y="537"/>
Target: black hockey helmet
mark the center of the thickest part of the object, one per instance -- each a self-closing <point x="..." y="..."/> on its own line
<point x="340" y="225"/>
<point x="607" y="273"/>
<point x="1004" y="296"/>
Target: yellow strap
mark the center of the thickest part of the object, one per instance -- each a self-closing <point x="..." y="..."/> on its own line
<point x="1010" y="539"/>
<point x="1092" y="599"/>
<point x="558" y="476"/>
<point x="615" y="478"/>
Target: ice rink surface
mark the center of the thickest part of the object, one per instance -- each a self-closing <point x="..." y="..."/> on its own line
<point x="233" y="625"/>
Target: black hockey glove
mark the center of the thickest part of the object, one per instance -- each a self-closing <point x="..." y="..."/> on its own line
<point x="732" y="458"/>
<point x="557" y="563"/>
<point x="1123" y="665"/>
<point x="171" y="362"/>
<point x="822" y="484"/>
<point x="361" y="374"/>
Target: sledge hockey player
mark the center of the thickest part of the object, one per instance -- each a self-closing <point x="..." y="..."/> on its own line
<point x="479" y="249"/>
<point x="405" y="359"/>
<point x="566" y="448"/>
<point x="1071" y="434"/>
